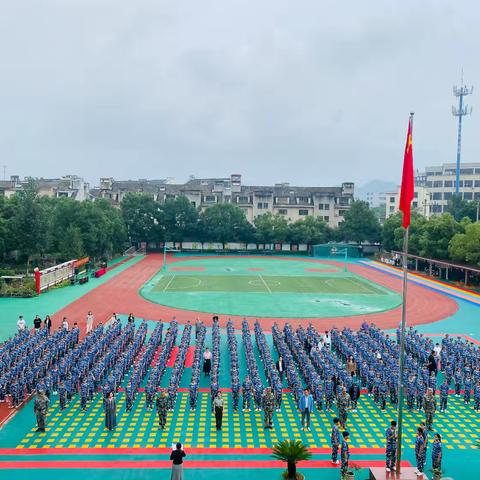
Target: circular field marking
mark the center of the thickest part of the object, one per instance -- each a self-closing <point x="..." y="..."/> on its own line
<point x="194" y="284"/>
<point x="260" y="283"/>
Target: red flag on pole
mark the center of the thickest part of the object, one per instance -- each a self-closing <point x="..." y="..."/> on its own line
<point x="406" y="192"/>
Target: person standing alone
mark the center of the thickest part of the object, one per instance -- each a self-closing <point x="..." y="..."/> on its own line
<point x="207" y="362"/>
<point x="40" y="408"/>
<point x="391" y="447"/>
<point x="90" y="319"/>
<point x="177" y="457"/>
<point x="110" y="412"/>
<point x="280" y="367"/>
<point x="335" y="439"/>
<point x="306" y="407"/>
<point x="48" y="323"/>
<point x="37" y="323"/>
<point x="218" y="406"/>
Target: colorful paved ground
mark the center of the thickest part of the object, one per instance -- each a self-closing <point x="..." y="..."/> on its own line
<point x="76" y="445"/>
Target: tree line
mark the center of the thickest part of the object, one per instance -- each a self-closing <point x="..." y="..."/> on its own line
<point x="441" y="237"/>
<point x="34" y="227"/>
<point x="178" y="220"/>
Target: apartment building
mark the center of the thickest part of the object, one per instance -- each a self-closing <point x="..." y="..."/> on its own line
<point x="69" y="186"/>
<point x="327" y="203"/>
<point x="435" y="187"/>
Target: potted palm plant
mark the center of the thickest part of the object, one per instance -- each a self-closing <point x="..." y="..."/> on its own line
<point x="291" y="452"/>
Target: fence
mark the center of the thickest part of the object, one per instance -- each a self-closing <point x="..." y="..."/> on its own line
<point x="231" y="247"/>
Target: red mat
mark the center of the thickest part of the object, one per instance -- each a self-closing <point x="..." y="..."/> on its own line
<point x="164" y="464"/>
<point x="173" y="356"/>
<point x="189" y="356"/>
<point x="255" y="269"/>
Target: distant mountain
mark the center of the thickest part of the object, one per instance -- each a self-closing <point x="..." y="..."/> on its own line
<point x="374" y="186"/>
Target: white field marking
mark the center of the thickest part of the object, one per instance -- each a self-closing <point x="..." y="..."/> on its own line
<point x="168" y="284"/>
<point x="265" y="283"/>
<point x="366" y="289"/>
<point x="194" y="285"/>
<point x="259" y="283"/>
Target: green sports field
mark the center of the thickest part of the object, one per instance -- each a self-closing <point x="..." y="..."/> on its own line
<point x="266" y="287"/>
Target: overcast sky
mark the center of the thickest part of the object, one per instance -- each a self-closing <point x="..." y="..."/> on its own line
<point x="312" y="92"/>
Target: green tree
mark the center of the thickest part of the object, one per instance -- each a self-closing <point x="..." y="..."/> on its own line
<point x="465" y="247"/>
<point x="388" y="233"/>
<point x="417" y="224"/>
<point x="309" y="230"/>
<point x="180" y="219"/>
<point x="225" y="222"/>
<point x="271" y="228"/>
<point x="28" y="225"/>
<point x="360" y="224"/>
<point x="461" y="208"/>
<point x="143" y="218"/>
<point x="71" y="243"/>
<point x="436" y="235"/>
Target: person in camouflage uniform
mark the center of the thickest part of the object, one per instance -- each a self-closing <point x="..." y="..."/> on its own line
<point x="41" y="409"/>
<point x="268" y="404"/>
<point x="430" y="406"/>
<point x="162" y="407"/>
<point x="420" y="450"/>
<point x="344" y="454"/>
<point x="391" y="447"/>
<point x="343" y="404"/>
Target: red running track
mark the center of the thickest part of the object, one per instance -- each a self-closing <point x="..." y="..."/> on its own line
<point x="121" y="295"/>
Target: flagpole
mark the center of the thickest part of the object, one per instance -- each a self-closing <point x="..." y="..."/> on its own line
<point x="402" y="341"/>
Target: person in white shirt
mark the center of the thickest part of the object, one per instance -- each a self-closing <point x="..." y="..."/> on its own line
<point x="65" y="324"/>
<point x="21" y="324"/>
<point x="207" y="362"/>
<point x="437" y="350"/>
<point x="327" y="340"/>
<point x="89" y="321"/>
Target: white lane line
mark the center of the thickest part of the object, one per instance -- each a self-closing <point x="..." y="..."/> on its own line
<point x="168" y="284"/>
<point x="265" y="283"/>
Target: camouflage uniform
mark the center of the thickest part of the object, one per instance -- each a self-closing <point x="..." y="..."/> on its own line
<point x="391" y="450"/>
<point x="345" y="456"/>
<point x="41" y="409"/>
<point x="162" y="406"/>
<point x="430" y="406"/>
<point x="268" y="403"/>
<point x="343" y="405"/>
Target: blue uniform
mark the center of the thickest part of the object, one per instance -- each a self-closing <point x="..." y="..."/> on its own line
<point x="420" y="452"/>
<point x="335" y="440"/>
<point x="443" y="396"/>
<point x="437" y="457"/>
<point x="391" y="447"/>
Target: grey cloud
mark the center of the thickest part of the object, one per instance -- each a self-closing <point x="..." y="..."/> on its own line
<point x="307" y="92"/>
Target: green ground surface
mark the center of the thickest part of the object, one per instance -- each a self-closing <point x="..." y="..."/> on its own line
<point x="73" y="428"/>
<point x="137" y="429"/>
<point x="51" y="301"/>
<point x="267" y="288"/>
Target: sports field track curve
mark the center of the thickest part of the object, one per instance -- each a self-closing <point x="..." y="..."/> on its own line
<point x="121" y="295"/>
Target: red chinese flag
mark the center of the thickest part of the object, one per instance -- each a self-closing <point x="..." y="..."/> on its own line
<point x="406" y="192"/>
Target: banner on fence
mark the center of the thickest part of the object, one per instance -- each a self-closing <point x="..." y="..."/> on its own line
<point x="53" y="275"/>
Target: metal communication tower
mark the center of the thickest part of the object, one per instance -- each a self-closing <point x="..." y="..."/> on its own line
<point x="460" y="112"/>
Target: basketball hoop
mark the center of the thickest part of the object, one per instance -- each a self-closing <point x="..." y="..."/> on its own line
<point x="333" y="251"/>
